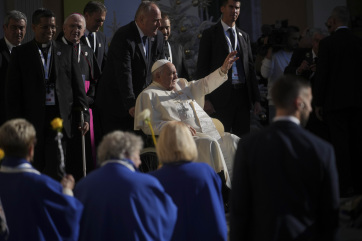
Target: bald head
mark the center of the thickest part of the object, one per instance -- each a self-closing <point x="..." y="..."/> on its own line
<point x="74" y="27"/>
<point x="148" y="18"/>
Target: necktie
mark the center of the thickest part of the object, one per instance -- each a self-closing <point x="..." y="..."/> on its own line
<point x="315" y="60"/>
<point x="167" y="51"/>
<point x="232" y="37"/>
<point x="91" y="39"/>
<point x="239" y="63"/>
<point x="144" y="40"/>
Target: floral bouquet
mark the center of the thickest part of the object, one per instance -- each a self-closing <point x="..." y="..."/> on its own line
<point x="57" y="125"/>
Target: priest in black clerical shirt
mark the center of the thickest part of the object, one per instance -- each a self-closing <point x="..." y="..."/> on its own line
<point x="44" y="81"/>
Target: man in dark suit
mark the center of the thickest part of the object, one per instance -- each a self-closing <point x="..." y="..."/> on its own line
<point x="303" y="63"/>
<point x="232" y="101"/>
<point x="44" y="81"/>
<point x="133" y="50"/>
<point x="338" y="99"/>
<point x="73" y="28"/>
<point x="287" y="187"/>
<point x="14" y="32"/>
<point x="95" y="14"/>
<point x="173" y="52"/>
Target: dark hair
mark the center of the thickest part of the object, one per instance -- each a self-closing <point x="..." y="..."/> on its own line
<point x="224" y="2"/>
<point x="41" y="13"/>
<point x="16" y="15"/>
<point x="286" y="89"/>
<point x="94" y="6"/>
<point x="165" y="15"/>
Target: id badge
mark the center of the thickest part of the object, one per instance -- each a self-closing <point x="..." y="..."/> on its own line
<point x="50" y="96"/>
<point x="234" y="74"/>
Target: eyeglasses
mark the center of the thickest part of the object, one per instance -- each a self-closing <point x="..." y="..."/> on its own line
<point x="46" y="27"/>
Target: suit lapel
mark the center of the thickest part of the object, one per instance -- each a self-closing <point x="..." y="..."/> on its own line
<point x="56" y="53"/>
<point x="243" y="48"/>
<point x="221" y="34"/>
<point x="5" y="50"/>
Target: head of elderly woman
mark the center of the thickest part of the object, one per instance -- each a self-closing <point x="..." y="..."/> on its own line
<point x="119" y="145"/>
<point x="176" y="143"/>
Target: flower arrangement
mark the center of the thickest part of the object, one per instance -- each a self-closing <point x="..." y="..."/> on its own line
<point x="145" y="115"/>
<point x="57" y="125"/>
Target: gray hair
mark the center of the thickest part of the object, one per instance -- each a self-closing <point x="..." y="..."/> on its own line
<point x="118" y="145"/>
<point x="341" y="14"/>
<point x="76" y="14"/>
<point x="143" y="8"/>
<point x="16" y="15"/>
<point x="157" y="71"/>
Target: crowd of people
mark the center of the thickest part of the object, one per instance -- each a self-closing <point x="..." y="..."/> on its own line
<point x="283" y="182"/>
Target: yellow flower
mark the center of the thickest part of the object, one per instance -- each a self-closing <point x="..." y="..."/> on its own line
<point x="57" y="124"/>
<point x="2" y="154"/>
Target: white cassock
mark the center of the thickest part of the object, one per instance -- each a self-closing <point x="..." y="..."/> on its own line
<point x="185" y="103"/>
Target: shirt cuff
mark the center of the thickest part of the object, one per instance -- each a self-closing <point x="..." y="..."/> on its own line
<point x="68" y="191"/>
<point x="221" y="73"/>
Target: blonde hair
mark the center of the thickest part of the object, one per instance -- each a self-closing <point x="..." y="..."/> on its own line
<point x="176" y="143"/>
<point x="16" y="137"/>
<point x="118" y="145"/>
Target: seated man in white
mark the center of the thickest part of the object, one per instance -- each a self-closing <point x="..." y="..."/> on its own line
<point x="169" y="98"/>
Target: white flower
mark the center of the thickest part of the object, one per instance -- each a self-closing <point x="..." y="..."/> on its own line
<point x="144" y="115"/>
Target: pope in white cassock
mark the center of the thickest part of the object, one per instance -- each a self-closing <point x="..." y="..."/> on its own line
<point x="172" y="99"/>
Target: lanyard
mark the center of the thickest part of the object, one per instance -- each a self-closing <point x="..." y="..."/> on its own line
<point x="94" y="42"/>
<point x="229" y="42"/>
<point x="79" y="50"/>
<point x="47" y="64"/>
<point x="169" y="50"/>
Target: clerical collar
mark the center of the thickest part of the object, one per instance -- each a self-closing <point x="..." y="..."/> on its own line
<point x="40" y="45"/>
<point x="10" y="45"/>
<point x="226" y="27"/>
<point x="287" y="118"/>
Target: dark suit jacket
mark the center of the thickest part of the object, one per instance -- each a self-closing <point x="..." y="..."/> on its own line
<point x="338" y="81"/>
<point x="212" y="53"/>
<point x="285" y="186"/>
<point x="125" y="75"/>
<point x="4" y="62"/>
<point x="25" y="88"/>
<point x="178" y="59"/>
<point x="298" y="56"/>
<point x="100" y="52"/>
<point x="88" y="66"/>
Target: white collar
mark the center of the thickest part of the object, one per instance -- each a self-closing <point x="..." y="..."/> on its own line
<point x="313" y="53"/>
<point x="140" y="31"/>
<point x="340" y="27"/>
<point x="226" y="27"/>
<point x="121" y="162"/>
<point x="287" y="118"/>
<point x="10" y="45"/>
